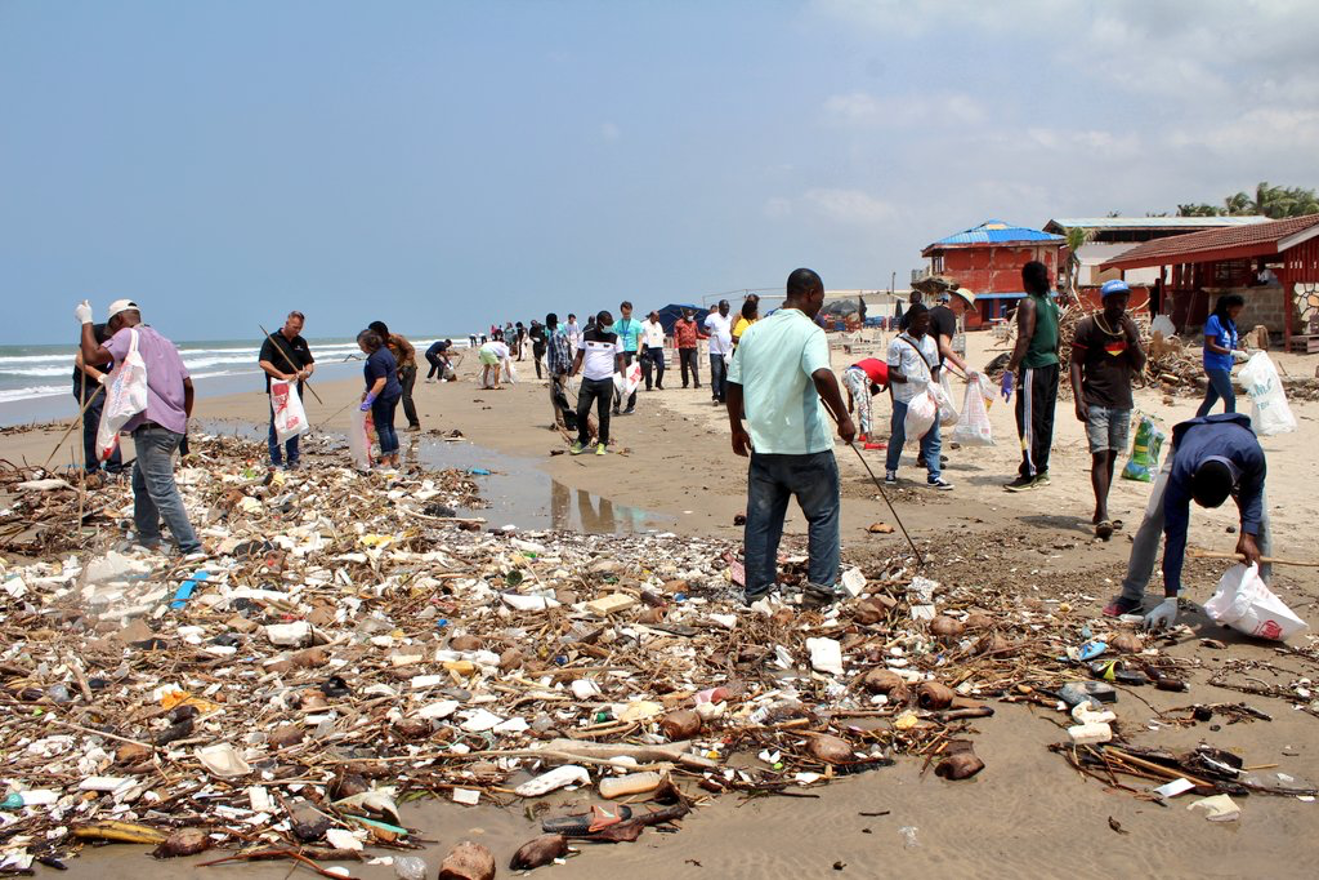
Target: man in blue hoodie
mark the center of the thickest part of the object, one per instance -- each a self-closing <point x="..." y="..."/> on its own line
<point x="1213" y="457"/>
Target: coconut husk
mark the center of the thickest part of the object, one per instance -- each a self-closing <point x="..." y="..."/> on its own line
<point x="934" y="696"/>
<point x="830" y="749"/>
<point x="469" y="861"/>
<point x="538" y="852"/>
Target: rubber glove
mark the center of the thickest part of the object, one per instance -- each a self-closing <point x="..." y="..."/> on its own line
<point x="1162" y="616"/>
<point x="1006" y="385"/>
<point x="1240" y="355"/>
<point x="83" y="312"/>
<point x="366" y="402"/>
<point x="102" y="378"/>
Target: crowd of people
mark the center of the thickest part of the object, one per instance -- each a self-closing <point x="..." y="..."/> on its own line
<point x="772" y="374"/>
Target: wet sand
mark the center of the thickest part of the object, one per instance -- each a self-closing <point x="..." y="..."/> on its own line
<point x="1028" y="813"/>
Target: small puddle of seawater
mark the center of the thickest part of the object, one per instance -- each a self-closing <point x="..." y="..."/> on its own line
<point x="517" y="493"/>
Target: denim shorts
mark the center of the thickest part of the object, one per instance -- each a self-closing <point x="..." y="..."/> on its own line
<point x="1107" y="429"/>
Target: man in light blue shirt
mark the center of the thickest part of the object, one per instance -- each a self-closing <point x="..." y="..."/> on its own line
<point x="779" y="377"/>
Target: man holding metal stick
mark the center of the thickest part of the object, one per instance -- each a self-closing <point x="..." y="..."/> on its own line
<point x="779" y="375"/>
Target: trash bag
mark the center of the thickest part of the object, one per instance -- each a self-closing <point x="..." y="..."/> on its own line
<point x="973" y="428"/>
<point x="921" y="415"/>
<point x="290" y="418"/>
<point x="359" y="438"/>
<point x="1243" y="601"/>
<point x="948" y="412"/>
<point x="625" y="383"/>
<point x="1270" y="413"/>
<point x="125" y="397"/>
<point x="1145" y="461"/>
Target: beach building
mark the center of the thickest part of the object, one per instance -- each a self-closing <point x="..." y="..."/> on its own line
<point x="1273" y="265"/>
<point x="987" y="260"/>
<point x="1110" y="236"/>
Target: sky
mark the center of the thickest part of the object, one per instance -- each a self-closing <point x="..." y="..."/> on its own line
<point x="441" y="166"/>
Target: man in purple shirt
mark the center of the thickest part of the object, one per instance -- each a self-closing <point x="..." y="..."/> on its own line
<point x="158" y="430"/>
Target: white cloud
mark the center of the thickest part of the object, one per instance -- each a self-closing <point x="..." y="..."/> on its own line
<point x="847" y="206"/>
<point x="610" y="131"/>
<point x="1264" y="130"/>
<point x="777" y="207"/>
<point x="862" y="109"/>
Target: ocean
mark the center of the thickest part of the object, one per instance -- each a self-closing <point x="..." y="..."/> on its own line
<point x="34" y="379"/>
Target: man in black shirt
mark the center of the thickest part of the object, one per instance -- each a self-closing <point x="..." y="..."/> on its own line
<point x="1106" y="351"/>
<point x="537" y="335"/>
<point x="285" y="356"/>
<point x="88" y="389"/>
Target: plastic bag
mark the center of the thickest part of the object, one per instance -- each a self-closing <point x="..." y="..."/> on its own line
<point x="1270" y="413"/>
<point x="625" y="383"/>
<point x="125" y="397"/>
<point x="1244" y="602"/>
<point x="973" y="428"/>
<point x="948" y="412"/>
<point x="1145" y="461"/>
<point x="921" y="414"/>
<point x="359" y="438"/>
<point x="290" y="418"/>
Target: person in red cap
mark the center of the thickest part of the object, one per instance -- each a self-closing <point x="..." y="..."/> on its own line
<point x="867" y="377"/>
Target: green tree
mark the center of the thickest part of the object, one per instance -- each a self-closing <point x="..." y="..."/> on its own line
<point x="1199" y="209"/>
<point x="1274" y="202"/>
<point x="1076" y="237"/>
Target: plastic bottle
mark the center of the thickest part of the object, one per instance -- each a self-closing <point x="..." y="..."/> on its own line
<point x="629" y="784"/>
<point x="411" y="868"/>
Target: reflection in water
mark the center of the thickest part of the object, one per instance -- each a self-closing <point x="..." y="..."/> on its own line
<point x="594" y="513"/>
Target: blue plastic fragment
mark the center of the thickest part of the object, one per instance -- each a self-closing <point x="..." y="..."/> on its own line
<point x="186" y="589"/>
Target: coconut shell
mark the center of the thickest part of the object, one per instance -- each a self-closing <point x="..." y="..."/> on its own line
<point x="945" y="627"/>
<point x="978" y="621"/>
<point x="183" y="843"/>
<point x="538" y="852"/>
<point x="468" y="860"/>
<point x="651" y="616"/>
<point x="959" y="766"/>
<point x="132" y="754"/>
<point x="286" y="735"/>
<point x="830" y="749"/>
<point x="934" y="696"/>
<point x="465" y="643"/>
<point x="681" y="725"/>
<point x="1127" y="643"/>
<point x="882" y="681"/>
<point x="869" y="611"/>
<point x="510" y="659"/>
<point x="993" y="644"/>
<point x="412" y="728"/>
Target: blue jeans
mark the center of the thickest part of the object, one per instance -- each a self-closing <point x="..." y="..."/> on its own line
<point x="930" y="443"/>
<point x="719" y="378"/>
<point x="91" y="422"/>
<point x="813" y="479"/>
<point x="1221" y="386"/>
<point x="273" y="442"/>
<point x="382" y="416"/>
<point x="155" y="495"/>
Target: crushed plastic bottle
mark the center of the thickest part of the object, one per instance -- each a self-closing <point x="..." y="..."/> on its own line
<point x="909" y="834"/>
<point x="410" y="868"/>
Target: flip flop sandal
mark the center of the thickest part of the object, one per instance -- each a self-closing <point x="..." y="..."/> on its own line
<point x="1118" y="524"/>
<point x="1104" y="530"/>
<point x="601" y="816"/>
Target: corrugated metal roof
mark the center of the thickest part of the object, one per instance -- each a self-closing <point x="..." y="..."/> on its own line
<point x="1188" y="223"/>
<point x="995" y="232"/>
<point x="1259" y="238"/>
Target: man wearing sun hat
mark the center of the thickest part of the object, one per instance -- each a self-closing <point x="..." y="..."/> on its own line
<point x="159" y="429"/>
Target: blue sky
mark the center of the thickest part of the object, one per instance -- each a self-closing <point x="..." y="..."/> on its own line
<point x="445" y="165"/>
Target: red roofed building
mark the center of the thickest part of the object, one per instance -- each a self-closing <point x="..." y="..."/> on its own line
<point x="988" y="261"/>
<point x="1264" y="262"/>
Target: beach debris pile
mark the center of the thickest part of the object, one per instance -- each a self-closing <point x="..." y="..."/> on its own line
<point x="353" y="642"/>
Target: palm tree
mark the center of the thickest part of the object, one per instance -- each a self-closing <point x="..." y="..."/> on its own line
<point x="1076" y="237"/>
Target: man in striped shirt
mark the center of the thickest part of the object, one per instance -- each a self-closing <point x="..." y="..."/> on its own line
<point x="558" y="362"/>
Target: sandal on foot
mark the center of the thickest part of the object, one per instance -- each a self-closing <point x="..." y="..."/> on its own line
<point x="1104" y="530"/>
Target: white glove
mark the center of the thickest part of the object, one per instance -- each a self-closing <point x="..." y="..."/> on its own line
<point x="1240" y="355"/>
<point x="102" y="378"/>
<point x="1163" y="616"/>
<point x="83" y="312"/>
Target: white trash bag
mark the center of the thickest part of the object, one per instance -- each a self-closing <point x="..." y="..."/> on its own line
<point x="359" y="438"/>
<point x="1270" y="414"/>
<point x="948" y="412"/>
<point x="922" y="412"/>
<point x="125" y="397"/>
<point x="1243" y="601"/>
<point x="290" y="418"/>
<point x="973" y="428"/>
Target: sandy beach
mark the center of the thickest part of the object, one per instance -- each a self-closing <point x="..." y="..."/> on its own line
<point x="1027" y="814"/>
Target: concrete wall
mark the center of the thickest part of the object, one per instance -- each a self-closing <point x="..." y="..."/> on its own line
<point x="1264" y="306"/>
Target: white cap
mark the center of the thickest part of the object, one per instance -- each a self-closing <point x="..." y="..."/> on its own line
<point x="120" y="306"/>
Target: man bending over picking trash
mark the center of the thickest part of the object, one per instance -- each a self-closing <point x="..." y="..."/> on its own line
<point x="1212" y="457"/>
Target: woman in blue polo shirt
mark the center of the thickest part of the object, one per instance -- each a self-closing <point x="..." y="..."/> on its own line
<point x="1221" y="342"/>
